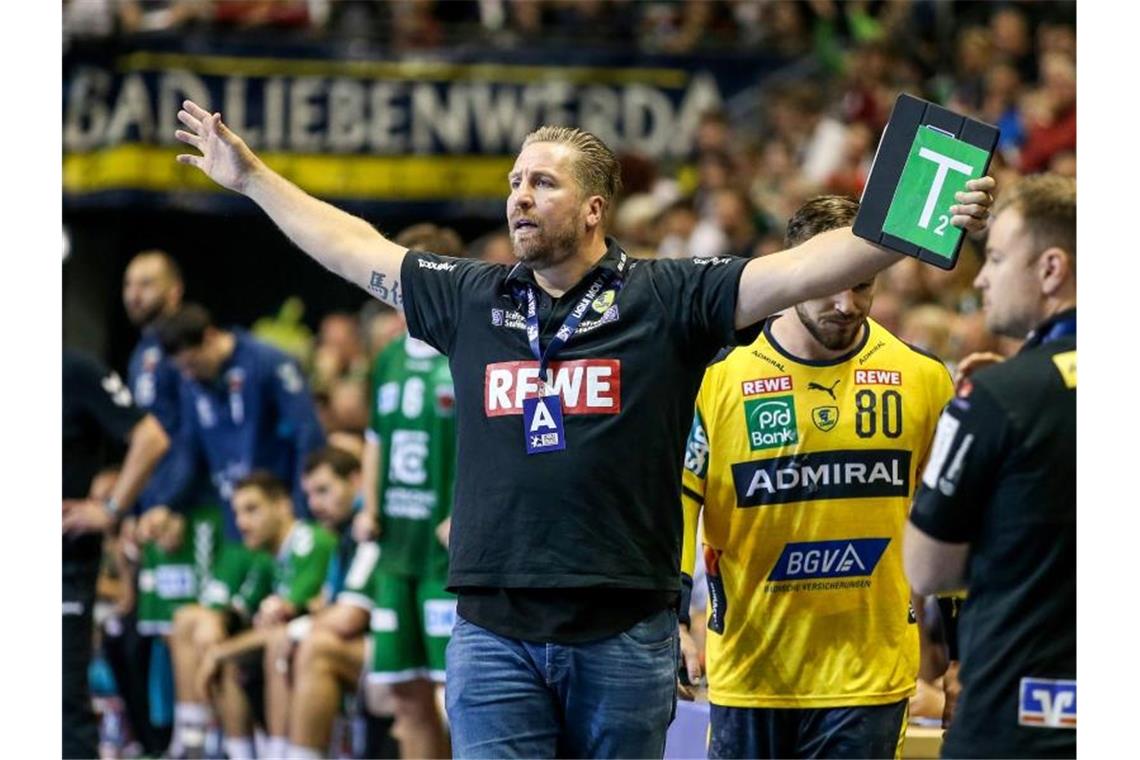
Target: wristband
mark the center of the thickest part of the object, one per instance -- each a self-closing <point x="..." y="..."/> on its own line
<point x="685" y="600"/>
<point x="114" y="509"/>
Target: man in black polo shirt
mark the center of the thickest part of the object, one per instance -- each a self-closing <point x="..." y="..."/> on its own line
<point x="97" y="409"/>
<point x="575" y="372"/>
<point x="997" y="509"/>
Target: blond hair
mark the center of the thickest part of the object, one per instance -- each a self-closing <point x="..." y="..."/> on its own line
<point x="595" y="168"/>
<point x="1048" y="207"/>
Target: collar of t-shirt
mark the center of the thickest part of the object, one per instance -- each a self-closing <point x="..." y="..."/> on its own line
<point x="521" y="273"/>
<point x="287" y="544"/>
<point x="1056" y="326"/>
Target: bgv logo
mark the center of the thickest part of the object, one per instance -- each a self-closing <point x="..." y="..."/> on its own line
<point x="829" y="559"/>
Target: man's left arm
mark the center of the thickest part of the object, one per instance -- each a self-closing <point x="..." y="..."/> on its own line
<point x="957" y="483"/>
<point x="108" y="401"/>
<point x="835" y="261"/>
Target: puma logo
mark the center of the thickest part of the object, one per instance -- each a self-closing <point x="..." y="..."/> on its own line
<point x="829" y="391"/>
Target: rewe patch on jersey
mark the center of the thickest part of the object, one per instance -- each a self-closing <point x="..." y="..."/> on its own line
<point x="878" y="377"/>
<point x="844" y="474"/>
<point x="1047" y="703"/>
<point x="846" y="558"/>
<point x="586" y="386"/>
<point x="766" y="385"/>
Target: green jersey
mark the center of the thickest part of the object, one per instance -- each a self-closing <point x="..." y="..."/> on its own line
<point x="413" y="421"/>
<point x="296" y="574"/>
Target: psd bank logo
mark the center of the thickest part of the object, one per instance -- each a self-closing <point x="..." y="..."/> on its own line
<point x="1047" y="703"/>
<point x="849" y="558"/>
<point x="771" y="422"/>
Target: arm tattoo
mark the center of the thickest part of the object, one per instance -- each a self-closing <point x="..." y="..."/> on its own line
<point x="385" y="292"/>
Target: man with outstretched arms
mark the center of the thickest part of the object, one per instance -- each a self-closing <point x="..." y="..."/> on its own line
<point x="575" y="372"/>
<point x="802" y="459"/>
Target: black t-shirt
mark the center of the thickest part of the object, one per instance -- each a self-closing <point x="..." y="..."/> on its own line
<point x="98" y="417"/>
<point x="605" y="512"/>
<point x="1002" y="477"/>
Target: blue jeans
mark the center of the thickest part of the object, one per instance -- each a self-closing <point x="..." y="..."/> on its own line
<point x="614" y="697"/>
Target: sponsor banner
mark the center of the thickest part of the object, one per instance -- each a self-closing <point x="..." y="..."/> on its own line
<point x="845" y="474"/>
<point x="585" y="386"/>
<point x="435" y="128"/>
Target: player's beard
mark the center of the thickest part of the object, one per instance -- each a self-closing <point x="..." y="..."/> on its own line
<point x="834" y="336"/>
<point x="548" y="246"/>
<point x="145" y="316"/>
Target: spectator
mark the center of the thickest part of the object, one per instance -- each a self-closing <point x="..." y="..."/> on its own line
<point x="1052" y="121"/>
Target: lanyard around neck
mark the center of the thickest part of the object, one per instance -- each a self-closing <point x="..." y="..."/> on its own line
<point x="570" y="325"/>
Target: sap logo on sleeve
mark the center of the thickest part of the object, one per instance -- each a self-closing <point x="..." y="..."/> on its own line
<point x="1047" y="703"/>
<point x="697" y="448"/>
<point x="586" y="386"/>
<point x="849" y="558"/>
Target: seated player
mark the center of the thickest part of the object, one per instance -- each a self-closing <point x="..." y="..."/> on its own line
<point x="332" y="484"/>
<point x="289" y="563"/>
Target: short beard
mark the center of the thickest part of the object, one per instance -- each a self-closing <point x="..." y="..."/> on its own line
<point x="148" y="317"/>
<point x="548" y="249"/>
<point x="832" y="341"/>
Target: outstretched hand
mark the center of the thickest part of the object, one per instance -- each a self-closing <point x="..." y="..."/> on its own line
<point x="225" y="158"/>
<point x="972" y="210"/>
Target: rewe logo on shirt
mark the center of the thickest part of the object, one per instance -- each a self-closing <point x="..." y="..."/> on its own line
<point x="766" y="385"/>
<point x="878" y="377"/>
<point x="586" y="386"/>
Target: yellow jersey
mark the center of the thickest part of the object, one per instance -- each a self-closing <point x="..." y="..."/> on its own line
<point x="805" y="472"/>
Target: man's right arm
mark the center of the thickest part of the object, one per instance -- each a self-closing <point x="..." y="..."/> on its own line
<point x="836" y="260"/>
<point x="342" y="243"/>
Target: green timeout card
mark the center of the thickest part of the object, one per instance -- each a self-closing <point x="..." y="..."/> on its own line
<point x="936" y="167"/>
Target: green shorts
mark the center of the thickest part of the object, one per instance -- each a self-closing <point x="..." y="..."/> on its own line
<point x="411" y="625"/>
<point x="241" y="579"/>
<point x="169" y="580"/>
